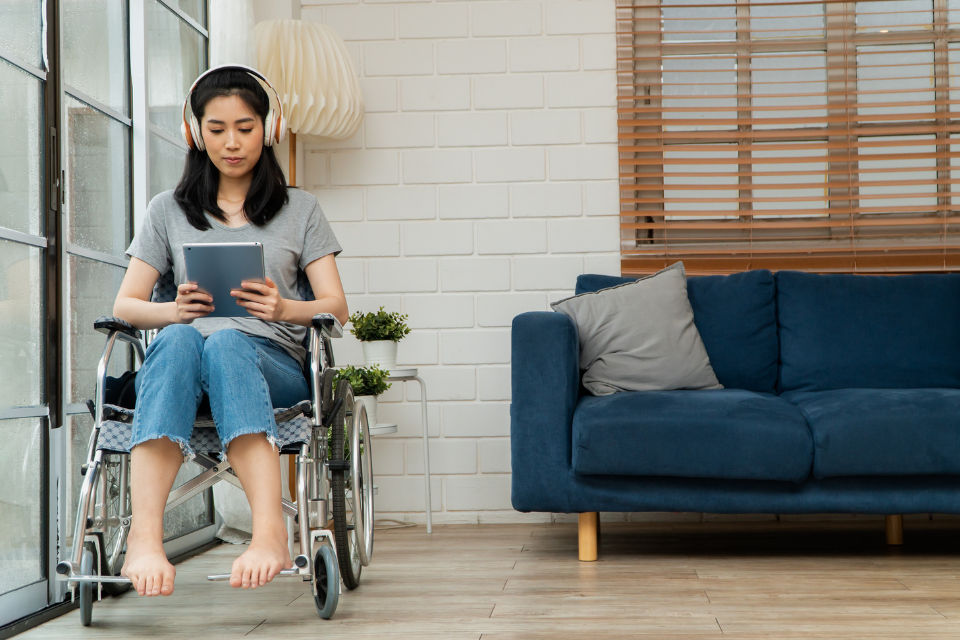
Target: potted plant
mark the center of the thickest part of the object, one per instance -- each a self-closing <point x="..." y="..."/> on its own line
<point x="379" y="332"/>
<point x="367" y="383"/>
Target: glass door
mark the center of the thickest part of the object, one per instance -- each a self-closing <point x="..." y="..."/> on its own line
<point x="175" y="54"/>
<point x="24" y="255"/>
<point x="89" y="91"/>
<point x="97" y="204"/>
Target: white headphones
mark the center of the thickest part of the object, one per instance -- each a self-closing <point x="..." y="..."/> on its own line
<point x="274" y="126"/>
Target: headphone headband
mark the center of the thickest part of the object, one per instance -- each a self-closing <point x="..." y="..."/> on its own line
<point x="274" y="125"/>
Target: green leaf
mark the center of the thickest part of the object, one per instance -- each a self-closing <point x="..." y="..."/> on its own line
<point x="366" y="381"/>
<point x="381" y="325"/>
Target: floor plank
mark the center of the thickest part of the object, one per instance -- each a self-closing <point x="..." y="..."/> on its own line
<point x="684" y="581"/>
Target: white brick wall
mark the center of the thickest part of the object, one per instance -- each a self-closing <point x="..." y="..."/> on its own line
<point x="545" y="54"/>
<point x="513" y="18"/>
<point x="473" y="129"/>
<point x="474" y="201"/>
<point x="482" y="183"/>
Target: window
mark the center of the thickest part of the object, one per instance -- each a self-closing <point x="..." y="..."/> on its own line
<point x="26" y="229"/>
<point x="176" y="53"/>
<point x="95" y="147"/>
<point x="815" y="136"/>
<point x="74" y="167"/>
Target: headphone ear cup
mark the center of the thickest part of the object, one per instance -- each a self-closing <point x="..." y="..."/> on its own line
<point x="195" y="132"/>
<point x="281" y="129"/>
<point x="268" y="128"/>
<point x="186" y="135"/>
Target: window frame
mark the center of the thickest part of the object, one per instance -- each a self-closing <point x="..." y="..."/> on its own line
<point x="640" y="80"/>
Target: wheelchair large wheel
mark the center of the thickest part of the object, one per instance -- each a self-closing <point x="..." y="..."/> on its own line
<point x="326" y="582"/>
<point x="351" y="486"/>
<point x="86" y="588"/>
<point x="115" y="474"/>
<point x="361" y="485"/>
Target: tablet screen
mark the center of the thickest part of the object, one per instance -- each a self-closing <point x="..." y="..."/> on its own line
<point x="217" y="268"/>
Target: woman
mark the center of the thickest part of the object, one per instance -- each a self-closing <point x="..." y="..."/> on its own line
<point x="232" y="190"/>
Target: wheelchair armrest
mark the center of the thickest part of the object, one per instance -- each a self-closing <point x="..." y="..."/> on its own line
<point x="106" y="324"/>
<point x="328" y="325"/>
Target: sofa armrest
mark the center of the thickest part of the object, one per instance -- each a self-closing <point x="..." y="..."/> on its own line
<point x="545" y="379"/>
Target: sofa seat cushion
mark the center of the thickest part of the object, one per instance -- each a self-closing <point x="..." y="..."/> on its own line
<point x="722" y="433"/>
<point x="869" y="432"/>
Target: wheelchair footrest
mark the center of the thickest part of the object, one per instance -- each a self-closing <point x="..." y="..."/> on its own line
<point x="95" y="578"/>
<point x="300" y="562"/>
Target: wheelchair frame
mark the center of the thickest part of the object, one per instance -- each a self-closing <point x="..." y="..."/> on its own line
<point x="318" y="553"/>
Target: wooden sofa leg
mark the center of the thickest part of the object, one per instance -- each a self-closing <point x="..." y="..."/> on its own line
<point x="894" y="530"/>
<point x="589" y="526"/>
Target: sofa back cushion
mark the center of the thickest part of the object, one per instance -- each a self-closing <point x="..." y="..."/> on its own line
<point x="842" y="331"/>
<point x="737" y="320"/>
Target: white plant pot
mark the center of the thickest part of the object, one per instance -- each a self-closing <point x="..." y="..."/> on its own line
<point x="370" y="402"/>
<point x="381" y="352"/>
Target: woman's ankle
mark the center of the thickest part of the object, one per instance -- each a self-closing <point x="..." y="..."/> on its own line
<point x="272" y="533"/>
<point x="148" y="538"/>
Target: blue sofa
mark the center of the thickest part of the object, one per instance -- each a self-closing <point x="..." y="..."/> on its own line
<point x="841" y="394"/>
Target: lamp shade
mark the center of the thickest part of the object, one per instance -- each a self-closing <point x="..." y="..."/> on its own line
<point x="310" y="68"/>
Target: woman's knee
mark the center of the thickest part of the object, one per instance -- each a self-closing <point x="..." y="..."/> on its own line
<point x="175" y="346"/>
<point x="228" y="348"/>
<point x="226" y="342"/>
<point x="179" y="336"/>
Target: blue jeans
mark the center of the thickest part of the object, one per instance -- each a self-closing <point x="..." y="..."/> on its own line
<point x="244" y="377"/>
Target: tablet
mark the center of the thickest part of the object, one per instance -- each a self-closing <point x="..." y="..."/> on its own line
<point x="220" y="267"/>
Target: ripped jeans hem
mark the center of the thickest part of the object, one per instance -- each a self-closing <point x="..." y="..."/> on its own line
<point x="185" y="449"/>
<point x="272" y="440"/>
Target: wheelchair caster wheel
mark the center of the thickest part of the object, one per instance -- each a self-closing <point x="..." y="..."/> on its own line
<point x="326" y="582"/>
<point x="86" y="588"/>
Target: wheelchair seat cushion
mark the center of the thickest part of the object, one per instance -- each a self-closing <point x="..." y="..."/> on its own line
<point x="115" y="435"/>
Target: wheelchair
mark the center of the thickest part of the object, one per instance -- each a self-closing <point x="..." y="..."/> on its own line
<point x="328" y="434"/>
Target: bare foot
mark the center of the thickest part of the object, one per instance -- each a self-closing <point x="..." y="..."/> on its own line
<point x="261" y="563"/>
<point x="147" y="567"/>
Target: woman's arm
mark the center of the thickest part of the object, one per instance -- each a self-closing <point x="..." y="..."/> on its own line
<point x="263" y="300"/>
<point x="328" y="291"/>
<point x="133" y="300"/>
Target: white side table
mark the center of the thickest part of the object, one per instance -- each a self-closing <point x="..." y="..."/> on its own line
<point x="382" y="429"/>
<point x="411" y="374"/>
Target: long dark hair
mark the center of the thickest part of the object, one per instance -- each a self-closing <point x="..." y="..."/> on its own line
<point x="197" y="190"/>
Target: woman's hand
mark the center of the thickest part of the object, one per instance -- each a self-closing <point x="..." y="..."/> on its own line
<point x="261" y="300"/>
<point x="192" y="304"/>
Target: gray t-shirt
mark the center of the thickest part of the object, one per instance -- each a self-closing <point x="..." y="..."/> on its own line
<point x="296" y="236"/>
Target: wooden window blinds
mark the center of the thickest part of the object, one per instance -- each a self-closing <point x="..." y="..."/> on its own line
<point x="819" y="136"/>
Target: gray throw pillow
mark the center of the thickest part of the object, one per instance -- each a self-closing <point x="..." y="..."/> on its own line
<point x="640" y="336"/>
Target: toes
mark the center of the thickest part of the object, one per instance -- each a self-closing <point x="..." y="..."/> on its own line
<point x="246" y="578"/>
<point x="141" y="584"/>
<point x="166" y="587"/>
<point x="148" y="587"/>
<point x="236" y="574"/>
<point x="272" y="571"/>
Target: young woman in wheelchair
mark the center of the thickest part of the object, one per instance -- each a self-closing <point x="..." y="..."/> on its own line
<point x="232" y="190"/>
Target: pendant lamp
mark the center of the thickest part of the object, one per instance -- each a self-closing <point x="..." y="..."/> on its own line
<point x="309" y="66"/>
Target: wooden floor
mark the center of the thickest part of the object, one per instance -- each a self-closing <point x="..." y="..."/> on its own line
<point x="736" y="580"/>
